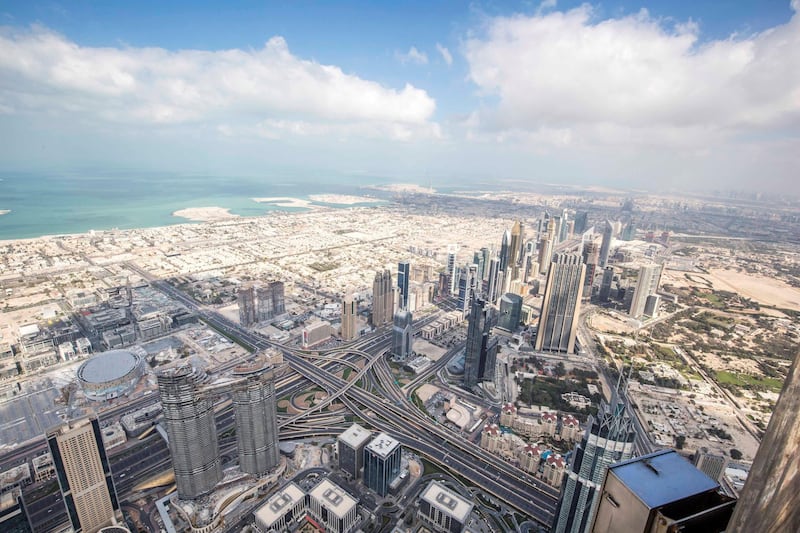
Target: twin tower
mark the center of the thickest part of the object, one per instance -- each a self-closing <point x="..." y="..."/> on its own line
<point x="187" y="400"/>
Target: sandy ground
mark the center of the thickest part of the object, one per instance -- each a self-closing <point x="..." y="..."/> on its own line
<point x="764" y="290"/>
<point x="282" y="201"/>
<point x="426" y="391"/>
<point x="433" y="352"/>
<point x="609" y="324"/>
<point x="341" y="199"/>
<point x="205" y="214"/>
<point x="736" y="364"/>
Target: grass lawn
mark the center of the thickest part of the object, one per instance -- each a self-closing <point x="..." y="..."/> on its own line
<point x="744" y="380"/>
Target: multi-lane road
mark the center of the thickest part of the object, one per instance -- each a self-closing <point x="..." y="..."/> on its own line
<point x="479" y="467"/>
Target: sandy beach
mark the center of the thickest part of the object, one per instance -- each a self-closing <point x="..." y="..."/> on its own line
<point x="342" y="199"/>
<point x="205" y="214"/>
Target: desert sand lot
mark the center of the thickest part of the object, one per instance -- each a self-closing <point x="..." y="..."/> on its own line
<point x="766" y="291"/>
<point x="763" y="289"/>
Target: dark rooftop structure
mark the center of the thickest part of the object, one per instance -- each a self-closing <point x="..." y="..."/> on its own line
<point x="661" y="492"/>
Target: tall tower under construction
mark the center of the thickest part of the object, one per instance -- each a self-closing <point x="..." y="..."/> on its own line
<point x="256" y="417"/>
<point x="189" y="421"/>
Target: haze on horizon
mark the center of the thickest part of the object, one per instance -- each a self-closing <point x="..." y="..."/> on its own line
<point x="652" y="94"/>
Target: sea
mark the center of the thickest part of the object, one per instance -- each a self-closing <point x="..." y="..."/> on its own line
<point x="40" y="204"/>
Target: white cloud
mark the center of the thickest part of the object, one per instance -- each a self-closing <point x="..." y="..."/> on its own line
<point x="546" y="5"/>
<point x="446" y="55"/>
<point x="633" y="79"/>
<point x="43" y="73"/>
<point x="413" y="56"/>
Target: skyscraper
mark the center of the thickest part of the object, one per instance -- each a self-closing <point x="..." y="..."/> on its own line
<point x="510" y="312"/>
<point x="452" y="252"/>
<point x="505" y="251"/>
<point x="402" y="335"/>
<point x="581" y="222"/>
<point x="403" y="275"/>
<point x="381" y="463"/>
<point x="278" y="298"/>
<point x="558" y="322"/>
<point x="545" y="253"/>
<point x="555" y="223"/>
<point x="349" y="312"/>
<point x="646" y="285"/>
<point x="382" y="298"/>
<point x="84" y="476"/>
<point x="629" y="232"/>
<point x="605" y="284"/>
<point x="515" y="245"/>
<point x="466" y="287"/>
<point x="481" y="350"/>
<point x="350" y="449"/>
<point x="591" y="257"/>
<point x="493" y="284"/>
<point x="247" y="305"/>
<point x="271" y="301"/>
<point x="609" y="438"/>
<point x="486" y="256"/>
<point x="189" y="421"/>
<point x="605" y="246"/>
<point x="256" y="417"/>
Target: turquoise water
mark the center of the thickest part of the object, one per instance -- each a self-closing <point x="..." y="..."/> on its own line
<point x="48" y="204"/>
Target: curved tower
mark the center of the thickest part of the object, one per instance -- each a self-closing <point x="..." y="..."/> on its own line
<point x="189" y="420"/>
<point x="256" y="417"/>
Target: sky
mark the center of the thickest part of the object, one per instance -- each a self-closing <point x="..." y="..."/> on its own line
<point x="655" y="95"/>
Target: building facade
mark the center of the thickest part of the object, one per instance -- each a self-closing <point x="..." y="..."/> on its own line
<point x="349" y="312"/>
<point x="609" y="438"/>
<point x="382" y="298"/>
<point x="510" y="312"/>
<point x="247" y="306"/>
<point x="402" y="335"/>
<point x="444" y="510"/>
<point x="350" y="450"/>
<point x="381" y="463"/>
<point x="256" y="417"/>
<point x="558" y="322"/>
<point x="480" y="352"/>
<point x="84" y="476"/>
<point x="646" y="285"/>
<point x="403" y="275"/>
<point x="189" y="421"/>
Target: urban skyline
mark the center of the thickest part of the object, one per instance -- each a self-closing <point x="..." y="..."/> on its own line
<point x="461" y="267"/>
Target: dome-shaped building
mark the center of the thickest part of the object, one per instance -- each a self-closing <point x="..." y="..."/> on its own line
<point x="110" y="374"/>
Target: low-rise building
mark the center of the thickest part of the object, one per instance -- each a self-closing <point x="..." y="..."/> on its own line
<point x="444" y="510"/>
<point x="283" y="509"/>
<point x="555" y="467"/>
<point x="332" y="507"/>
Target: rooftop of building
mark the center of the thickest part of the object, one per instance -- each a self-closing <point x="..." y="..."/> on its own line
<point x="447" y="501"/>
<point x="662" y="477"/>
<point x="382" y="445"/>
<point x="355" y="436"/>
<point x="333" y="497"/>
<point x="108" y="366"/>
<point x="279" y="503"/>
